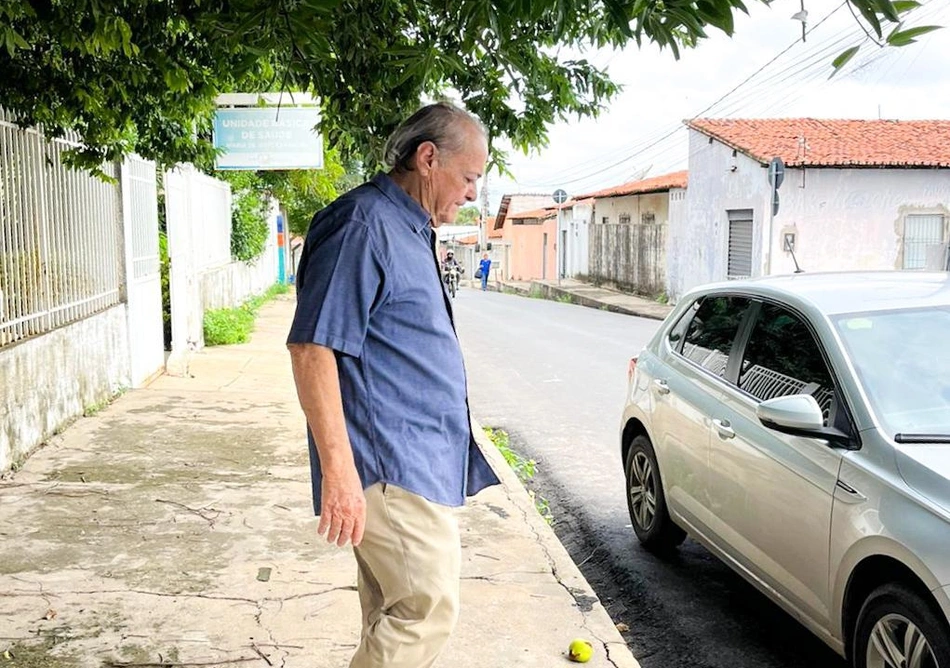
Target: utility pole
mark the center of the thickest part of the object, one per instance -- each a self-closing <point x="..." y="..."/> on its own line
<point x="483" y="219"/>
<point x="559" y="197"/>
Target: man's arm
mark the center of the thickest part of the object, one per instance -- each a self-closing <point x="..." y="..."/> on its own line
<point x="343" y="508"/>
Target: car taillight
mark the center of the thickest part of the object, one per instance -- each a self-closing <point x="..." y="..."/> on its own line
<point x="631" y="368"/>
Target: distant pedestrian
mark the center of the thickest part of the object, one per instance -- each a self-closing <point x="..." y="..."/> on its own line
<point x="484" y="267"/>
<point x="380" y="378"/>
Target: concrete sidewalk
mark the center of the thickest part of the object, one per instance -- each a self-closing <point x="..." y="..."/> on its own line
<point x="586" y="294"/>
<point x="174" y="528"/>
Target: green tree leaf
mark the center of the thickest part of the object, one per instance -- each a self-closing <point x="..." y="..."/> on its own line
<point x="468" y="215"/>
<point x="843" y="58"/>
<point x="905" y="37"/>
<point x="141" y="75"/>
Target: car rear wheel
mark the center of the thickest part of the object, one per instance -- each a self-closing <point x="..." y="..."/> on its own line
<point x="899" y="629"/>
<point x="646" y="502"/>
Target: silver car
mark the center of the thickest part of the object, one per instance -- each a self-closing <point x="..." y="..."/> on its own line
<point x="799" y="428"/>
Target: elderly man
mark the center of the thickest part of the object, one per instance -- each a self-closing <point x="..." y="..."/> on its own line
<point x="380" y="378"/>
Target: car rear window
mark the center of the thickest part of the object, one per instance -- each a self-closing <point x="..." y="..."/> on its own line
<point x="712" y="332"/>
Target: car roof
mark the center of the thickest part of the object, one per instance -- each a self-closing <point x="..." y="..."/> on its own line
<point x="834" y="293"/>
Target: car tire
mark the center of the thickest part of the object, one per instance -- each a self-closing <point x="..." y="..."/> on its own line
<point x="646" y="501"/>
<point x="894" y="612"/>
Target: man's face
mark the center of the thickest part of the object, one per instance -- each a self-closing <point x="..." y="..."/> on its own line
<point x="455" y="176"/>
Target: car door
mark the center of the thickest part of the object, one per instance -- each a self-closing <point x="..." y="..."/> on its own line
<point x="771" y="494"/>
<point x="687" y="388"/>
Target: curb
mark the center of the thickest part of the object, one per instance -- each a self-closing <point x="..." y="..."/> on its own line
<point x="597" y="621"/>
<point x="551" y="291"/>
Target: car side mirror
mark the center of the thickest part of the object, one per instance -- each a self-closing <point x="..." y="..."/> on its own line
<point x="799" y="415"/>
<point x="795" y="411"/>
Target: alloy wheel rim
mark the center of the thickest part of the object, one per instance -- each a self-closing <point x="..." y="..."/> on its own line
<point x="896" y="642"/>
<point x="643" y="491"/>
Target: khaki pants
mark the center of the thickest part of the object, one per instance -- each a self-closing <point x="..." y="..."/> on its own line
<point x="409" y="566"/>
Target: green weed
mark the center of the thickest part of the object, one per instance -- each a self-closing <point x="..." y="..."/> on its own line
<point x="525" y="469"/>
<point x="227" y="326"/>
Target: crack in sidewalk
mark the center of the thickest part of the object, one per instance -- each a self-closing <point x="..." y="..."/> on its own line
<point x="582" y="599"/>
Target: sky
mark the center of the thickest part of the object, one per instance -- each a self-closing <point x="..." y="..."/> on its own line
<point x="764" y="70"/>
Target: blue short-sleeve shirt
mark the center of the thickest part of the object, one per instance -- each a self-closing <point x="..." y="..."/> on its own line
<point x="368" y="287"/>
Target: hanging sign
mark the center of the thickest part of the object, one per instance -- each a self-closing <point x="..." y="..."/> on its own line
<point x="268" y="138"/>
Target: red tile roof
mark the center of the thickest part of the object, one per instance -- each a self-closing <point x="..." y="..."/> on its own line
<point x="643" y="186"/>
<point x="815" y="142"/>
<point x="543" y="214"/>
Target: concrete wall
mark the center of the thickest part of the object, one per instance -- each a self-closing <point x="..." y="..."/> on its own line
<point x="630" y="256"/>
<point x="851" y="219"/>
<point x="519" y="203"/>
<point x="642" y="209"/>
<point x="577" y="221"/>
<point x="51" y="379"/>
<point x="234" y="283"/>
<point x="677" y="230"/>
<point x="842" y="219"/>
<point x="697" y="243"/>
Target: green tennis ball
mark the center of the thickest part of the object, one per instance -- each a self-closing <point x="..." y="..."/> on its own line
<point x="580" y="651"/>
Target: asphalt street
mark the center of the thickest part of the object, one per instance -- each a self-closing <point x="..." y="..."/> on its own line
<point x="554" y="376"/>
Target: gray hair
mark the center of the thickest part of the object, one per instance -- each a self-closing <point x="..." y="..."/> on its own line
<point x="437" y="123"/>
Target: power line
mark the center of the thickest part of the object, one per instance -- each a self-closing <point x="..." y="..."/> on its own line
<point x="630" y="151"/>
<point x="787" y="80"/>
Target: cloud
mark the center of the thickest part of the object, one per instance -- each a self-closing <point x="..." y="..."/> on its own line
<point x="756" y="73"/>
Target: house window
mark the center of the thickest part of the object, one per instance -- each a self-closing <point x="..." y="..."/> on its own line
<point x="739" y="259"/>
<point x="624" y="218"/>
<point x="648" y="218"/>
<point x="923" y="236"/>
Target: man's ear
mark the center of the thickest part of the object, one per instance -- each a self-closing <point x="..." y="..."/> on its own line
<point x="426" y="156"/>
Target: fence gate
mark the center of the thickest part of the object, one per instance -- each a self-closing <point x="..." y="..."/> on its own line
<point x="143" y="283"/>
<point x="198" y="224"/>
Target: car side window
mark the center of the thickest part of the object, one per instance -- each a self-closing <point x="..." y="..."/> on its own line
<point x="782" y="358"/>
<point x="679" y="329"/>
<point x="712" y="332"/>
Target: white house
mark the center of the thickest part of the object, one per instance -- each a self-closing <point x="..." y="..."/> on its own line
<point x="576" y="218"/>
<point x="855" y="195"/>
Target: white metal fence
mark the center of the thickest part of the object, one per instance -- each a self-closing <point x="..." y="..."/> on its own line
<point x="60" y="236"/>
<point x="143" y="285"/>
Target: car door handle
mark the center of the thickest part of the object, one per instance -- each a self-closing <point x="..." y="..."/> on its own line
<point x="724" y="429"/>
<point x="661" y="386"/>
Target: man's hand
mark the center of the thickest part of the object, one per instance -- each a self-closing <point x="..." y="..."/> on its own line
<point x="343" y="505"/>
<point x="343" y="508"/>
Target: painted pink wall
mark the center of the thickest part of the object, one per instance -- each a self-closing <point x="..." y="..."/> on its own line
<point x="527" y="250"/>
